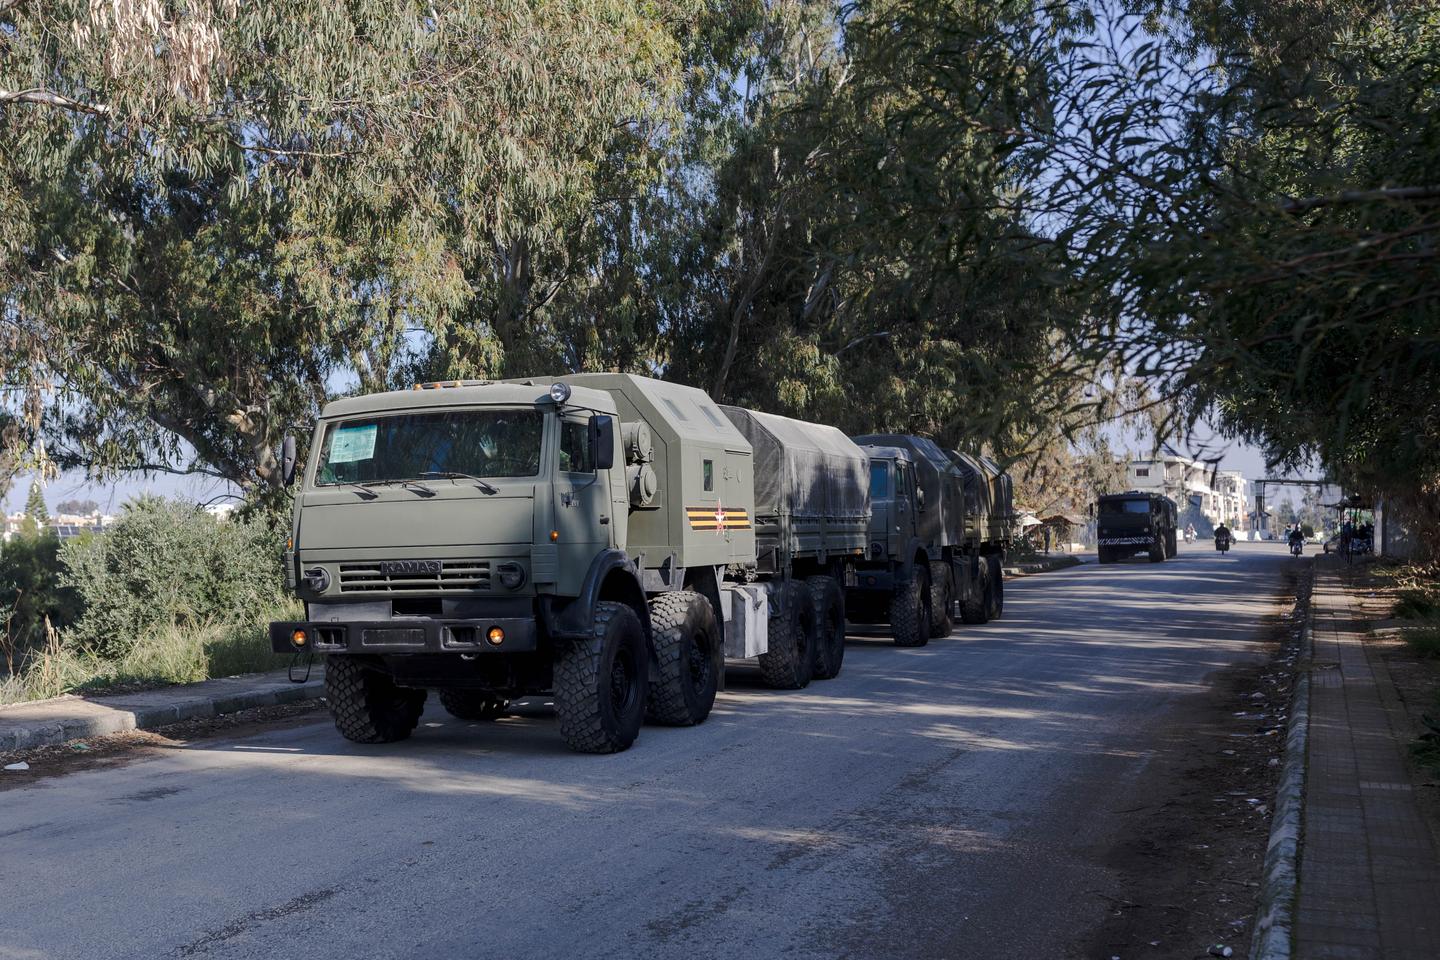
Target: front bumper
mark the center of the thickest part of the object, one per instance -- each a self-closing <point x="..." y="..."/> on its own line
<point x="1140" y="541"/>
<point x="405" y="635"/>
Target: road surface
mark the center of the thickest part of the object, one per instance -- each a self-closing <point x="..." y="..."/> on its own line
<point x="955" y="800"/>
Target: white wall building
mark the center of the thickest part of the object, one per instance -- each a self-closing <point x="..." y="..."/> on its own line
<point x="1221" y="495"/>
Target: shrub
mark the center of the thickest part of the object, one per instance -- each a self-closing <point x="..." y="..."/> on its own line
<point x="169" y="566"/>
<point x="31" y="591"/>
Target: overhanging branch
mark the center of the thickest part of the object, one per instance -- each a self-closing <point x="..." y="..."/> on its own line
<point x="49" y="98"/>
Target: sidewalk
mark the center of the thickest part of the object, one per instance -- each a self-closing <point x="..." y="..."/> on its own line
<point x="44" y="722"/>
<point x="1369" y="878"/>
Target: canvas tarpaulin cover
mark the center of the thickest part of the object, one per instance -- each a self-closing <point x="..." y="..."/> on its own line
<point x="804" y="469"/>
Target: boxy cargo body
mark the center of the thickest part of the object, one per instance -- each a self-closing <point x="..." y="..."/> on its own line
<point x="594" y="539"/>
<point x="940" y="525"/>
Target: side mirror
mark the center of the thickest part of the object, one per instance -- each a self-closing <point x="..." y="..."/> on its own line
<point x="919" y="498"/>
<point x="287" y="459"/>
<point x="602" y="440"/>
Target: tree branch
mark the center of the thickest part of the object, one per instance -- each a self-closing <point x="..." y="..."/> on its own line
<point x="49" y="98"/>
<point x="1362" y="196"/>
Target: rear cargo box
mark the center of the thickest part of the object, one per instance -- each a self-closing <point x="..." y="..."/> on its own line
<point x="812" y="489"/>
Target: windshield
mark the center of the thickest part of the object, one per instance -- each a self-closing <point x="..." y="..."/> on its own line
<point x="1117" y="507"/>
<point x="480" y="443"/>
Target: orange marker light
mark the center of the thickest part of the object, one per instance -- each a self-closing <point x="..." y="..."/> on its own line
<point x="298" y="638"/>
<point x="554" y="535"/>
<point x="495" y="636"/>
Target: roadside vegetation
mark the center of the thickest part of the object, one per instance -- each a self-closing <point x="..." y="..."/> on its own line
<point x="168" y="594"/>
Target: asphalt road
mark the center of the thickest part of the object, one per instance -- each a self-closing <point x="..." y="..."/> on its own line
<point x="955" y="800"/>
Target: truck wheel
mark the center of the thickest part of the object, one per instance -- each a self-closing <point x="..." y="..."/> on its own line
<point x="473" y="705"/>
<point x="1171" y="545"/>
<point x="789" y="661"/>
<point x="910" y="611"/>
<point x="600" y="682"/>
<point x="829" y="603"/>
<point x="941" y="587"/>
<point x="1157" y="552"/>
<point x="685" y="637"/>
<point x="976" y="609"/>
<point x="1104" y="555"/>
<point x="367" y="705"/>
<point x="996" y="608"/>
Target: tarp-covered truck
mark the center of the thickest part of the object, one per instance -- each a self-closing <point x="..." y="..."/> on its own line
<point x="940" y="526"/>
<point x="594" y="539"/>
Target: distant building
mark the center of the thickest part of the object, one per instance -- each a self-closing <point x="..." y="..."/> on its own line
<point x="1220" y="495"/>
<point x="63" y="525"/>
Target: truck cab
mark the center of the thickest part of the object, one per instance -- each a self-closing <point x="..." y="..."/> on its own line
<point x="1135" y="522"/>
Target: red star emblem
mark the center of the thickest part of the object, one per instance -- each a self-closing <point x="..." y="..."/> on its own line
<point x="720" y="517"/>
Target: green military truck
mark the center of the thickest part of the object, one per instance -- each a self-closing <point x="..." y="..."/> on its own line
<point x="1135" y="522"/>
<point x="594" y="539"/>
<point x="940" y="525"/>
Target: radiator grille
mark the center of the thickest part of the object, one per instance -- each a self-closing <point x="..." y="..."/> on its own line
<point x="455" y="576"/>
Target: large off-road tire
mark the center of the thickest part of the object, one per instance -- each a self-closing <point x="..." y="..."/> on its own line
<point x="367" y="705"/>
<point x="910" y="610"/>
<point x="1105" y="554"/>
<point x="686" y="638"/>
<point x="829" y="602"/>
<point x="473" y="705"/>
<point x="976" y="608"/>
<point x="1157" y="552"/>
<point x="996" y="608"/>
<point x="1171" y="542"/>
<point x="789" y="660"/>
<point x="600" y="682"/>
<point x="942" y="586"/>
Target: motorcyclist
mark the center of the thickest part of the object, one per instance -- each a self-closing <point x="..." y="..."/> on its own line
<point x="1297" y="538"/>
<point x="1222" y="537"/>
<point x="1190" y="533"/>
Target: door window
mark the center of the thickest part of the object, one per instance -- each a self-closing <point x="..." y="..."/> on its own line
<point x="575" y="453"/>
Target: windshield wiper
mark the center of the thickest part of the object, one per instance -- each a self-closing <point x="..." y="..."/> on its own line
<point x="361" y="488"/>
<point x="457" y="475"/>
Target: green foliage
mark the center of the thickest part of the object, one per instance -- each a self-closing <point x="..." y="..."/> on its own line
<point x="169" y="566"/>
<point x="32" y="593"/>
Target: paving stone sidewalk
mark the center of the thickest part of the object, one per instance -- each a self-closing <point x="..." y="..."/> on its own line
<point x="1369" y="874"/>
<point x="43" y="722"/>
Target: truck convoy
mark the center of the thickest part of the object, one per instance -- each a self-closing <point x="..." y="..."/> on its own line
<point x="939" y="529"/>
<point x="612" y="541"/>
<point x="1135" y="522"/>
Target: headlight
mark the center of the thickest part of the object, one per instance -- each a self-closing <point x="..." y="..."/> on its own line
<point x="512" y="576"/>
<point x="317" y="579"/>
<point x="559" y="392"/>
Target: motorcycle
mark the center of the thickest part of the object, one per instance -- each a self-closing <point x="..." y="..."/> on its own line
<point x="1296" y="548"/>
<point x="1222" y="543"/>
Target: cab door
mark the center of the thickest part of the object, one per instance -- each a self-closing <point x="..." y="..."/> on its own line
<point x="584" y="505"/>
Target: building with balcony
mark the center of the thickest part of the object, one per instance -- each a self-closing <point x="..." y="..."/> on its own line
<point x="1220" y="495"/>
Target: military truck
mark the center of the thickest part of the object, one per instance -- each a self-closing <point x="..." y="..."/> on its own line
<point x="593" y="538"/>
<point x="940" y="526"/>
<point x="1135" y="522"/>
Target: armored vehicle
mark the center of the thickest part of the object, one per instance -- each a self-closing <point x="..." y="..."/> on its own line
<point x="594" y="539"/>
<point x="939" y="530"/>
<point x="1135" y="522"/>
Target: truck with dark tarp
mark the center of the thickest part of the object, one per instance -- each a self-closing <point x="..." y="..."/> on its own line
<point x="940" y="526"/>
<point x="1135" y="522"/>
<point x="598" y="539"/>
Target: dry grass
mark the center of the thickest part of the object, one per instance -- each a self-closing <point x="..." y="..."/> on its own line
<point x="166" y="656"/>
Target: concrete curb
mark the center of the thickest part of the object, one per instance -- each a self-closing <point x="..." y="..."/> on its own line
<point x="24" y="726"/>
<point x="1275" y="913"/>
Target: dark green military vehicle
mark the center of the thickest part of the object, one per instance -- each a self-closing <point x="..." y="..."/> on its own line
<point x="940" y="525"/>
<point x="1135" y="522"/>
<point x="609" y="540"/>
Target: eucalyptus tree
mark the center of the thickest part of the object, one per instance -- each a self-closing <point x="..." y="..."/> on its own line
<point x="211" y="210"/>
